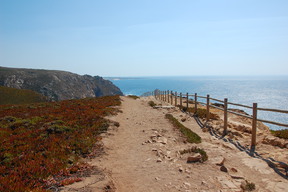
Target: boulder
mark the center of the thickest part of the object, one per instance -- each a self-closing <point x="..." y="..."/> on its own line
<point x="195" y="158"/>
<point x="275" y="141"/>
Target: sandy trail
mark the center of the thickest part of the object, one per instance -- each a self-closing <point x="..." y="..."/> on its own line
<point x="134" y="162"/>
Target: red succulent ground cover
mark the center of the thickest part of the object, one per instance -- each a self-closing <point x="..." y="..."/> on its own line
<point x="40" y="143"/>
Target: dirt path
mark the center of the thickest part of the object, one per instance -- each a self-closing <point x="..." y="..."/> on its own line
<point x="142" y="155"/>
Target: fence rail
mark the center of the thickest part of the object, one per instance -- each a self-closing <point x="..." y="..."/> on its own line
<point x="172" y="97"/>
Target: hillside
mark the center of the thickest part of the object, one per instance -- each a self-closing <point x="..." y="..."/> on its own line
<point x="57" y="85"/>
<point x="19" y="96"/>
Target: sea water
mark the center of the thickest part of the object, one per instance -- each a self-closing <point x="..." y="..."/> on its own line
<point x="268" y="92"/>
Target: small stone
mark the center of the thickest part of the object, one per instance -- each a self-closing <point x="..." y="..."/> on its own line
<point x="224" y="169"/>
<point x="183" y="119"/>
<point x="234" y="170"/>
<point x="154" y="149"/>
<point x="181" y="169"/>
<point x="159" y="160"/>
<point x="204" y="183"/>
<point x="222" y="162"/>
<point x="157" y="178"/>
<point x="194" y="158"/>
<point x="163" y="140"/>
<point x="205" y="129"/>
<point x="236" y="177"/>
<point x="186" y="184"/>
<point x="282" y="165"/>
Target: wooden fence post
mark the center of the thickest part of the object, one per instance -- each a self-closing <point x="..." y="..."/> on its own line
<point x="254" y="126"/>
<point x="168" y="95"/>
<point x="195" y="100"/>
<point x="181" y="100"/>
<point x="171" y="97"/>
<point x="208" y="108"/>
<point x="187" y="101"/>
<point x="176" y="98"/>
<point x="225" y="116"/>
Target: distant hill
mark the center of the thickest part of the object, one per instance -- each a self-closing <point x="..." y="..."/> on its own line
<point x="57" y="85"/>
<point x="19" y="96"/>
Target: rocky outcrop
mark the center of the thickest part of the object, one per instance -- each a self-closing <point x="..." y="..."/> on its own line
<point x="275" y="141"/>
<point x="57" y="85"/>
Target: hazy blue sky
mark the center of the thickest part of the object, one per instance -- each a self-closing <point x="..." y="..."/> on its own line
<point x="146" y="38"/>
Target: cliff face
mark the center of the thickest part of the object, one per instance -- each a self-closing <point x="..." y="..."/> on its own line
<point x="57" y="85"/>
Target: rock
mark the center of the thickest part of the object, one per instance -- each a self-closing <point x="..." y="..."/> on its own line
<point x="203" y="183"/>
<point x="234" y="170"/>
<point x="226" y="183"/>
<point x="181" y="169"/>
<point x="163" y="140"/>
<point x="236" y="133"/>
<point x="243" y="128"/>
<point x="282" y="165"/>
<point x="154" y="149"/>
<point x="159" y="160"/>
<point x="195" y="158"/>
<point x="222" y="162"/>
<point x="223" y="169"/>
<point x="243" y="184"/>
<point x="186" y="184"/>
<point x="183" y="119"/>
<point x="274" y="141"/>
<point x="236" y="177"/>
<point x="205" y="129"/>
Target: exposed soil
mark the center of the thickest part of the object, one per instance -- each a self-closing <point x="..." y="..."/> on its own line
<point x="142" y="155"/>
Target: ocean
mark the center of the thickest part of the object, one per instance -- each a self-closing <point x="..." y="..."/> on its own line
<point x="268" y="92"/>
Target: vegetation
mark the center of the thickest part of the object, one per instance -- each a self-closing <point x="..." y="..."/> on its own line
<point x="201" y="113"/>
<point x="133" y="97"/>
<point x="249" y="186"/>
<point x="151" y="103"/>
<point x="40" y="144"/>
<point x="280" y="133"/>
<point x="19" y="96"/>
<point x="190" y="135"/>
<point x="204" y="156"/>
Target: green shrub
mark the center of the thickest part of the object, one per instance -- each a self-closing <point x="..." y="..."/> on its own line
<point x="133" y="97"/>
<point x="280" y="133"/>
<point x="249" y="186"/>
<point x="188" y="133"/>
<point x="151" y="103"/>
<point x="201" y="113"/>
<point x="204" y="156"/>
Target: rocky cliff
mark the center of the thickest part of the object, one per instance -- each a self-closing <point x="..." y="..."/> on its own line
<point x="57" y="85"/>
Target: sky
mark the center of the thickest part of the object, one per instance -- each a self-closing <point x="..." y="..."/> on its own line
<point x="146" y="37"/>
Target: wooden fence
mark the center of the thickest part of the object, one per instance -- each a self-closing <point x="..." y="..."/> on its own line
<point x="172" y="97"/>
